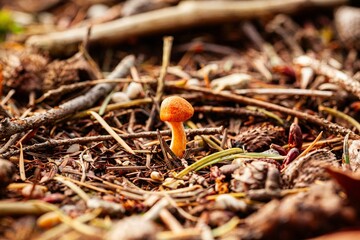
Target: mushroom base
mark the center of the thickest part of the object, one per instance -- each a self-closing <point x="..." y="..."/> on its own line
<point x="178" y="139"/>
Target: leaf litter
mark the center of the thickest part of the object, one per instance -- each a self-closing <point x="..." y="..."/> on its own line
<point x="272" y="149"/>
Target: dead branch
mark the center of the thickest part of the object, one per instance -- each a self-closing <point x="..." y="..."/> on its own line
<point x="323" y="123"/>
<point x="53" y="143"/>
<point x="285" y="92"/>
<point x="186" y="14"/>
<point x="9" y="127"/>
<point x="228" y="110"/>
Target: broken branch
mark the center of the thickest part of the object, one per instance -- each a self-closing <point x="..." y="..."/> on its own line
<point x="186" y="14"/>
<point x="9" y="127"/>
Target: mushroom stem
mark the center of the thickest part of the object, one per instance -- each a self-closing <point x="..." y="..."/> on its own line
<point x="178" y="139"/>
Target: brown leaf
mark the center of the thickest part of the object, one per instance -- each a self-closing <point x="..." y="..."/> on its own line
<point x="348" y="235"/>
<point x="349" y="181"/>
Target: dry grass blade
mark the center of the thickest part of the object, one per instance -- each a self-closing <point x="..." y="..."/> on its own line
<point x="191" y="233"/>
<point x="111" y="132"/>
<point x="170" y="221"/>
<point x="205" y="160"/>
<point x="114" y="106"/>
<point x="21" y="164"/>
<point x="82" y="164"/>
<point x="39" y="207"/>
<point x="342" y="115"/>
<point x="346" y="156"/>
<point x="74" y="223"/>
<point x="73" y="187"/>
<point x="166" y="61"/>
<point x="57" y="231"/>
<point x="207" y="139"/>
<point x="84" y="184"/>
<point x="307" y="150"/>
<point x="227" y="227"/>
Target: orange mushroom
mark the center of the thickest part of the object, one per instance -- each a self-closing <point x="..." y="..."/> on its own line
<point x="176" y="110"/>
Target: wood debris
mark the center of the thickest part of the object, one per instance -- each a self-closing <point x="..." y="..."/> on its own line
<point x="271" y="150"/>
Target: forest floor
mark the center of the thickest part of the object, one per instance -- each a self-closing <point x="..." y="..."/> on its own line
<point x="272" y="147"/>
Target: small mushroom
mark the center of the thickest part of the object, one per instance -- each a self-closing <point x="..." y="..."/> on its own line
<point x="175" y="110"/>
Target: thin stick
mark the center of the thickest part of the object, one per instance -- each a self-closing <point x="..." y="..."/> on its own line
<point x="287" y="91"/>
<point x="22" y="164"/>
<point x="229" y="110"/>
<point x="165" y="63"/>
<point x="323" y="123"/>
<point x="186" y="14"/>
<point x="65" y="142"/>
<point x="81" y="85"/>
<point x="9" y="127"/>
<point x="161" y="81"/>
<point x="114" y="106"/>
<point x="163" y="150"/>
<point x="170" y="221"/>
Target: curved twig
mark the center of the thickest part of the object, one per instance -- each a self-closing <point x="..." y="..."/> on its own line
<point x="9" y="127"/>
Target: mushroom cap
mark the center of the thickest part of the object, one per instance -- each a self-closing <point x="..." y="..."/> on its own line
<point x="175" y="109"/>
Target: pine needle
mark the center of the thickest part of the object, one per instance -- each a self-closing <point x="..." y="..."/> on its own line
<point x="308" y="149"/>
<point x="73" y="187"/>
<point x="111" y="132"/>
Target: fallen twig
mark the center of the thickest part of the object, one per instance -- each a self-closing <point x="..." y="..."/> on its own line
<point x="284" y="92"/>
<point x="186" y="14"/>
<point x="161" y="81"/>
<point x="323" y="123"/>
<point x="53" y="143"/>
<point x="9" y="127"/>
<point x="229" y="110"/>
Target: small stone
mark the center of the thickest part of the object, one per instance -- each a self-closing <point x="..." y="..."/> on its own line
<point x="73" y="148"/>
<point x="32" y="192"/>
<point x="157" y="176"/>
<point x="134" y="90"/>
<point x="347" y="23"/>
<point x="134" y="227"/>
<point x="97" y="10"/>
<point x="106" y="206"/>
<point x="120" y="97"/>
<point x="228" y="202"/>
<point x="236" y="80"/>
